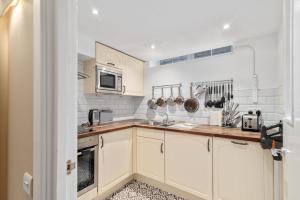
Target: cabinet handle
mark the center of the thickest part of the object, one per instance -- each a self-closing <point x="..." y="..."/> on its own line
<point x="239" y="143"/>
<point x="109" y="63"/>
<point x="162" y="148"/>
<point x="102" y="142"/>
<point x="124" y="89"/>
<point x="208" y="145"/>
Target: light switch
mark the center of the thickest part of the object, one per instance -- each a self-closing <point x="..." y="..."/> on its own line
<point x="27" y="184"/>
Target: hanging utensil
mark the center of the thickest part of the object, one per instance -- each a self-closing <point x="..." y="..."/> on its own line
<point x="200" y="90"/>
<point x="228" y="92"/>
<point x="171" y="99"/>
<point x="179" y="100"/>
<point x="231" y="86"/>
<point x="210" y="102"/>
<point x="152" y="102"/>
<point x="223" y="99"/>
<point x="215" y="96"/>
<point x="219" y="97"/>
<point x="161" y="101"/>
<point x="192" y="104"/>
<point x="206" y="96"/>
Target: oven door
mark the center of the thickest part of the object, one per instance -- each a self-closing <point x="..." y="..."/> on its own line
<point x="87" y="168"/>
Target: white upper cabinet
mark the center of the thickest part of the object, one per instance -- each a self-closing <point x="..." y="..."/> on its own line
<point x="238" y="170"/>
<point x="133" y="76"/>
<point x="107" y="55"/>
<point x="115" y="158"/>
<point x="133" y="68"/>
<point x="188" y="160"/>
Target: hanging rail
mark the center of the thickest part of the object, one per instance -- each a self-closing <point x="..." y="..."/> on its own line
<point x="167" y="86"/>
<point x="212" y="82"/>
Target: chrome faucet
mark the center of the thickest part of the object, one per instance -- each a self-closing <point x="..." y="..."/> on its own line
<point x="166" y="121"/>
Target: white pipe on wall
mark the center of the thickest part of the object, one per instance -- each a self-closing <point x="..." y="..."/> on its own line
<point x="255" y="78"/>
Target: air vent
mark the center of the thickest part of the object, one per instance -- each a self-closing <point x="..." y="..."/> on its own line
<point x="165" y="61"/>
<point x="198" y="55"/>
<point x="221" y="50"/>
<point x="202" y="54"/>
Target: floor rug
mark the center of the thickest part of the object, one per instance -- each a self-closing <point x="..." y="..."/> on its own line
<point x="136" y="190"/>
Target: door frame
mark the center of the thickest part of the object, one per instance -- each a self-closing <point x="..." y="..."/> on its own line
<point x="55" y="99"/>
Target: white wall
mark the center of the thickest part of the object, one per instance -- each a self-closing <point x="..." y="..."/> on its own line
<point x="20" y="97"/>
<point x="86" y="46"/>
<point x="237" y="65"/>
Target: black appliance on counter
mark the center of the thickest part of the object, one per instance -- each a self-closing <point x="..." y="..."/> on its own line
<point x="252" y="121"/>
<point x="94" y="117"/>
<point x="272" y="138"/>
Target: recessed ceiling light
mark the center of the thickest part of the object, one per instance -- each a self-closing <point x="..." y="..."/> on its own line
<point x="226" y="26"/>
<point x="95" y="11"/>
<point x="152" y="46"/>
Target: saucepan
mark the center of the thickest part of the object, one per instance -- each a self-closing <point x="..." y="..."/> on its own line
<point x="152" y="102"/>
<point x="162" y="100"/>
<point x="180" y="99"/>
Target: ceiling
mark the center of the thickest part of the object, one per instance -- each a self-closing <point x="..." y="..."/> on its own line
<point x="176" y="27"/>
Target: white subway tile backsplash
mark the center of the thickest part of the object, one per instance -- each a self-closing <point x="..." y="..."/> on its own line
<point x="269" y="102"/>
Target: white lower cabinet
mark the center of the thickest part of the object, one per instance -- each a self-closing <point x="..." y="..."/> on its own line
<point x="115" y="159"/>
<point x="150" y="154"/>
<point x="207" y="168"/>
<point x="188" y="160"/>
<point x="238" y="170"/>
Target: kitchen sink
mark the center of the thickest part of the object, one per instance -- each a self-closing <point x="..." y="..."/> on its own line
<point x="161" y="124"/>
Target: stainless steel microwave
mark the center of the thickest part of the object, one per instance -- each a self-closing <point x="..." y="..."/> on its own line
<point x="108" y="79"/>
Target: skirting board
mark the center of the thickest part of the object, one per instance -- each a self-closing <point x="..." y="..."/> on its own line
<point x="149" y="181"/>
<point x="166" y="187"/>
<point x="115" y="188"/>
<point x="89" y="195"/>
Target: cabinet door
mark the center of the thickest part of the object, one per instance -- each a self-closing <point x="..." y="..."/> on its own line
<point x="108" y="55"/>
<point x="115" y="158"/>
<point x="150" y="158"/>
<point x="133" y="76"/>
<point x="189" y="163"/>
<point x="238" y="170"/>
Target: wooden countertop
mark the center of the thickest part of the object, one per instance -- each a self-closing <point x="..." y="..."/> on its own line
<point x="206" y="130"/>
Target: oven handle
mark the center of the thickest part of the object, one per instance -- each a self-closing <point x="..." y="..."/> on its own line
<point x="86" y="150"/>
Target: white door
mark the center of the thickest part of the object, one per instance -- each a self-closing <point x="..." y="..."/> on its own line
<point x="291" y="158"/>
<point x="55" y="99"/>
<point x="188" y="163"/>
<point x="115" y="158"/>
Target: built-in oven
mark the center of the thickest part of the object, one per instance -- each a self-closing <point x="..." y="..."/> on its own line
<point x="87" y="164"/>
<point x="109" y="79"/>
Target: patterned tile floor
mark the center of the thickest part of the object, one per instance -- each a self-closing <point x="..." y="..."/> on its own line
<point x="136" y="190"/>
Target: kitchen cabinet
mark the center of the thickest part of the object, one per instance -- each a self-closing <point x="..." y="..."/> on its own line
<point x="238" y="168"/>
<point x="150" y="154"/>
<point x="133" y="76"/>
<point x="133" y="68"/>
<point x="115" y="159"/>
<point x="107" y="55"/>
<point x="188" y="163"/>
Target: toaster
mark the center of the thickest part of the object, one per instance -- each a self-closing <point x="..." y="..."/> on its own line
<point x="106" y="115"/>
<point x="252" y="121"/>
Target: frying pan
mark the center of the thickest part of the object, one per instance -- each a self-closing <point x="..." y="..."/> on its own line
<point x="191" y="105"/>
